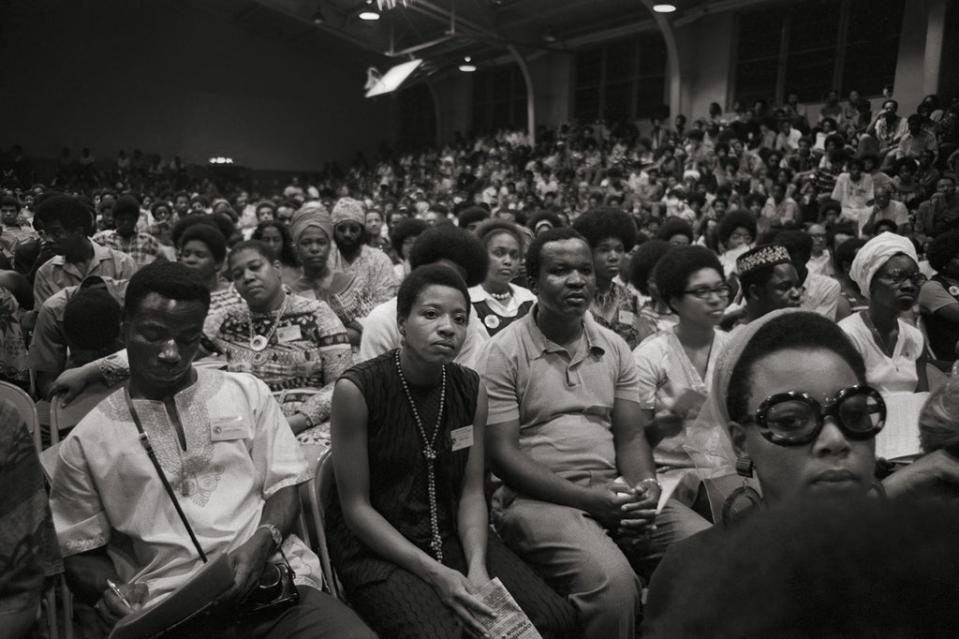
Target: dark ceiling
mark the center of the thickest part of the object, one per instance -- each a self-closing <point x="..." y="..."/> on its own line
<point x="444" y="31"/>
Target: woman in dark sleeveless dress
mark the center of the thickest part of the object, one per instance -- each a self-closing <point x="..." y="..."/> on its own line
<point x="408" y="529"/>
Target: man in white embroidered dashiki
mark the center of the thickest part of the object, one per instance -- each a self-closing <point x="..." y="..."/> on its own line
<point x="230" y="458"/>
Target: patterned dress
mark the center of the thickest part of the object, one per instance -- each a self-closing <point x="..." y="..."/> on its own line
<point x="618" y="310"/>
<point x="13" y="350"/>
<point x="307" y="350"/>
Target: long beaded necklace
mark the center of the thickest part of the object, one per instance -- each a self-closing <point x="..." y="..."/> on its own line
<point x="259" y="342"/>
<point x="429" y="452"/>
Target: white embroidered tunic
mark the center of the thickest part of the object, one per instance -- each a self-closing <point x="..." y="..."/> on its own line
<point x="239" y="452"/>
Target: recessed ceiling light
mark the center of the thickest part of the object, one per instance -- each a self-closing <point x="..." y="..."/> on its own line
<point x="369" y="15"/>
<point x="664" y="7"/>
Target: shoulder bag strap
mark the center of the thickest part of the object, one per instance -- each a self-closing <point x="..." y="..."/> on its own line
<point x="145" y="441"/>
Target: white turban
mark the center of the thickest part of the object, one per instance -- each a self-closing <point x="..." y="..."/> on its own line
<point x="877" y="252"/>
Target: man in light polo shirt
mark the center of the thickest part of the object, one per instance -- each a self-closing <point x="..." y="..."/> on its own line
<point x="564" y="435"/>
<point x="68" y="224"/>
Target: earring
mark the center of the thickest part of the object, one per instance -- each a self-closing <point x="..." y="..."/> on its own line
<point x="743" y="499"/>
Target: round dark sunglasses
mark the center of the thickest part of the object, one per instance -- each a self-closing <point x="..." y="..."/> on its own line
<point x="793" y="419"/>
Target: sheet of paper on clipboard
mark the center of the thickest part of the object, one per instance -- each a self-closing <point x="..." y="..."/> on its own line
<point x="900" y="436"/>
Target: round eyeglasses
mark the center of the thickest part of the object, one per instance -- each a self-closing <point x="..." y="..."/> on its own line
<point x="703" y="292"/>
<point x="793" y="418"/>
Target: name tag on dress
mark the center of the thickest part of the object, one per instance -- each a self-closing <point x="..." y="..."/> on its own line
<point x="288" y="333"/>
<point x="225" y="429"/>
<point x="627" y="317"/>
<point x="462" y="437"/>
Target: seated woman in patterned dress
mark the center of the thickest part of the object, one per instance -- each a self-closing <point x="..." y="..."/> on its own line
<point x="297" y="346"/>
<point x="408" y="529"/>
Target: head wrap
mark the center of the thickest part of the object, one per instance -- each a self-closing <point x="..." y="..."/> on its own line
<point x="347" y="209"/>
<point x="311" y="214"/>
<point x="875" y="253"/>
<point x="761" y="257"/>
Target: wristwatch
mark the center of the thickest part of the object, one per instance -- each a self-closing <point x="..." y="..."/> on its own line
<point x="275" y="534"/>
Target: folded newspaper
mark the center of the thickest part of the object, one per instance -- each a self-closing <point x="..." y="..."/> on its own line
<point x="510" y="621"/>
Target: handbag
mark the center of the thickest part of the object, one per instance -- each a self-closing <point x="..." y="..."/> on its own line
<point x="275" y="589"/>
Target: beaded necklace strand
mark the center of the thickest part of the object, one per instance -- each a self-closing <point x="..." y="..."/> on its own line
<point x="429" y="452"/>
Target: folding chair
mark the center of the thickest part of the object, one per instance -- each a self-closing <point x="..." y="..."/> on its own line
<point x="66" y="417"/>
<point x="319" y="498"/>
<point x="27" y="410"/>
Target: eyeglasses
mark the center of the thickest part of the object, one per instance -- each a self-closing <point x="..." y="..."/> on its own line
<point x="898" y="278"/>
<point x="793" y="418"/>
<point x="703" y="292"/>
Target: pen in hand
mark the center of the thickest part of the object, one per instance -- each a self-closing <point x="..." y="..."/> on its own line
<point x="119" y="594"/>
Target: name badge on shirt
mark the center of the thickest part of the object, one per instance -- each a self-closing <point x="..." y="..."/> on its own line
<point x="627" y="317"/>
<point x="462" y="437"/>
<point x="223" y="429"/>
<point x="288" y="333"/>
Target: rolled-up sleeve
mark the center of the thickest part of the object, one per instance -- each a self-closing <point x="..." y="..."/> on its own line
<point x="627" y="379"/>
<point x="78" y="513"/>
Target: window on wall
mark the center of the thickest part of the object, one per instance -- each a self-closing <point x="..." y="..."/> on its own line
<point x="757" y="62"/>
<point x="811" y="50"/>
<point x="872" y="45"/>
<point x="651" y="78"/>
<point x="814" y="46"/>
<point x="621" y="80"/>
<point x="499" y="99"/>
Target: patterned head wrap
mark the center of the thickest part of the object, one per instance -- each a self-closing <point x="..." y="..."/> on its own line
<point x="312" y="214"/>
<point x="347" y="209"/>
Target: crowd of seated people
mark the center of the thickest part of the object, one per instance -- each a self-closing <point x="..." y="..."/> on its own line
<point x="576" y="367"/>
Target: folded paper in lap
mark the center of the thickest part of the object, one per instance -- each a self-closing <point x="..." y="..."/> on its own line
<point x="510" y="621"/>
<point x="195" y="597"/>
<point x="900" y="436"/>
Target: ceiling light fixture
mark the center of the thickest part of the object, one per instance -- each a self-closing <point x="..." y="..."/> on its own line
<point x="370" y="14"/>
<point x="664" y="7"/>
<point x="467" y="66"/>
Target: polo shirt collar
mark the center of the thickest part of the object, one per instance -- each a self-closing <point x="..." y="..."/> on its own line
<point x="538" y="343"/>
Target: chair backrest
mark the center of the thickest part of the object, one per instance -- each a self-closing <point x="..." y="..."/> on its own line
<point x="320" y="500"/>
<point x="27" y="410"/>
<point x="66" y="417"/>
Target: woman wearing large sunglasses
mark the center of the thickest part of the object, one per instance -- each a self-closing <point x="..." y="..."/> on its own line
<point x="791" y="389"/>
